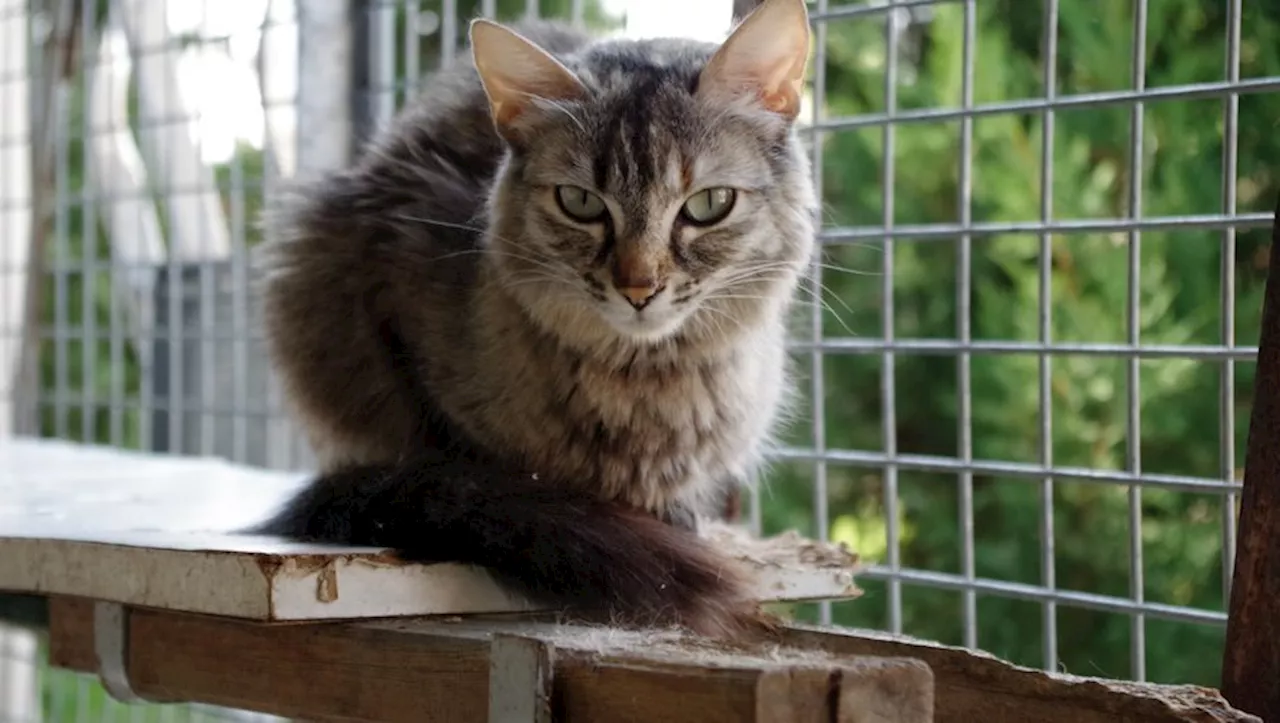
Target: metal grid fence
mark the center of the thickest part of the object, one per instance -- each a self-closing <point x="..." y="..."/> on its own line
<point x="1084" y="284"/>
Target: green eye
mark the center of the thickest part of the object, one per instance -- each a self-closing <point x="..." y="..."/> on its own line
<point x="580" y="204"/>
<point x="709" y="207"/>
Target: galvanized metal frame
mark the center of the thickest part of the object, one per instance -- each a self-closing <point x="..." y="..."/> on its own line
<point x="963" y="347"/>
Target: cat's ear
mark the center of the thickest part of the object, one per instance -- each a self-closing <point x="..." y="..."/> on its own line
<point x="764" y="59"/>
<point x="516" y="73"/>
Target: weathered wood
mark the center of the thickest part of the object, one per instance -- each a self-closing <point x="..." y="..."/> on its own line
<point x="152" y="531"/>
<point x="422" y="670"/>
<point x="1251" y="662"/>
<point x="974" y="686"/>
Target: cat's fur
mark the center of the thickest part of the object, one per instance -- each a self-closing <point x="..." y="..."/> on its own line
<point x="461" y="352"/>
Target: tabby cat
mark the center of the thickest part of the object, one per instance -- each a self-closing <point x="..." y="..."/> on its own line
<point x="540" y="321"/>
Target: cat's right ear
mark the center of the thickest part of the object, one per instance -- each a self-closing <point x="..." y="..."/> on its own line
<point x="516" y="74"/>
<point x="763" y="59"/>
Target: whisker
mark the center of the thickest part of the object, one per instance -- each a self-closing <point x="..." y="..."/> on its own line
<point x="811" y="300"/>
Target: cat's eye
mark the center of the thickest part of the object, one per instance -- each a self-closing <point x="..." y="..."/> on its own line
<point x="580" y="204"/>
<point x="708" y="207"/>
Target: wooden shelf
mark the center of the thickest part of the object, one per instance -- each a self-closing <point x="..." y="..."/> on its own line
<point x="150" y="531"/>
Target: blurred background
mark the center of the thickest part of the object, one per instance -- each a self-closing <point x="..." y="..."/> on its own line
<point x="1027" y="354"/>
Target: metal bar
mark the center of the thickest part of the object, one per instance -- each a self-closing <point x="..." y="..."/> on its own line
<point x="448" y="35"/>
<point x="62" y="252"/>
<point x="948" y="231"/>
<point x="1190" y="91"/>
<point x="1227" y="386"/>
<point x="821" y="515"/>
<point x="964" y="333"/>
<point x="208" y="375"/>
<point x="413" y="43"/>
<point x="521" y="672"/>
<point x="333" y="70"/>
<point x="111" y="649"/>
<point x="1133" y="430"/>
<point x="88" y="252"/>
<point x="381" y="91"/>
<point x="996" y="468"/>
<point x="1034" y="593"/>
<point x="849" y="12"/>
<point x="239" y="309"/>
<point x="848" y="345"/>
<point x="1048" y="547"/>
<point x="1251" y="662"/>
<point x="888" y="400"/>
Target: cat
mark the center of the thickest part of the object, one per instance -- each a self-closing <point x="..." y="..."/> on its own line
<point x="541" y="319"/>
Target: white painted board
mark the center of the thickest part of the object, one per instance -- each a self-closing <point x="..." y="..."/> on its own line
<point x="154" y="531"/>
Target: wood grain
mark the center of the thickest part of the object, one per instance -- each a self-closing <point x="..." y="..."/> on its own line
<point x="420" y="670"/>
<point x="973" y="686"/>
<point x="313" y="671"/>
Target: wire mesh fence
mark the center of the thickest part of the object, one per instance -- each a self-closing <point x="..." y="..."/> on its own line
<point x="1026" y="350"/>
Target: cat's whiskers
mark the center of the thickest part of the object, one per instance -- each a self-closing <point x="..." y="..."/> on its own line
<point x="749" y="274"/>
<point x="810" y="297"/>
<point x="716" y="318"/>
<point x="479" y="230"/>
<point x="529" y="278"/>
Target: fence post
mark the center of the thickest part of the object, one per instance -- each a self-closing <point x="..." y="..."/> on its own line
<point x="327" y="42"/>
<point x="328" y="32"/>
<point x="1251" y="661"/>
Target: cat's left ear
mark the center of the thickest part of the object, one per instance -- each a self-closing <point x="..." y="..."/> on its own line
<point x="516" y="73"/>
<point x="764" y="59"/>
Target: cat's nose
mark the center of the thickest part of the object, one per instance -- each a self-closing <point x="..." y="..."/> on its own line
<point x="639" y="296"/>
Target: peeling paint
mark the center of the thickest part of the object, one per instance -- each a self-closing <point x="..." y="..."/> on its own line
<point x="327" y="584"/>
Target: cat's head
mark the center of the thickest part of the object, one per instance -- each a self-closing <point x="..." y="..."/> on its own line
<point x="653" y="189"/>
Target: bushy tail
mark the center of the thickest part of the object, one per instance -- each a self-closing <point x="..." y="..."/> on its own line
<point x="558" y="547"/>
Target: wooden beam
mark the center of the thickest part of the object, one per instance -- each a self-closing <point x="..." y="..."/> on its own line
<point x="975" y="686"/>
<point x="1251" y="662"/>
<point x="437" y="670"/>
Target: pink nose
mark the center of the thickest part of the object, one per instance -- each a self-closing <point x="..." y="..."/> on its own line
<point x="639" y="296"/>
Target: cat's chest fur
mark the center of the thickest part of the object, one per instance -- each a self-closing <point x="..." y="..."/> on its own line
<point x="643" y="432"/>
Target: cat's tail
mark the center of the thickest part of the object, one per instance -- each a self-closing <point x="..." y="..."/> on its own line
<point x="560" y="548"/>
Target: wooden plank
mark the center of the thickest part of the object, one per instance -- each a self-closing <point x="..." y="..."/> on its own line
<point x="316" y="672"/>
<point x="415" y="670"/>
<point x="153" y="531"/>
<point x="975" y="686"/>
<point x="1251" y="662"/>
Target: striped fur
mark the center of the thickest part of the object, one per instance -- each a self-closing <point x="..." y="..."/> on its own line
<point x="434" y="314"/>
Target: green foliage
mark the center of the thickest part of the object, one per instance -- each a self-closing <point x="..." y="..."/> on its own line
<point x="1179" y="294"/>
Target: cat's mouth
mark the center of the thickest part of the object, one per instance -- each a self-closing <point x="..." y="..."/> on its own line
<point x="650" y="323"/>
